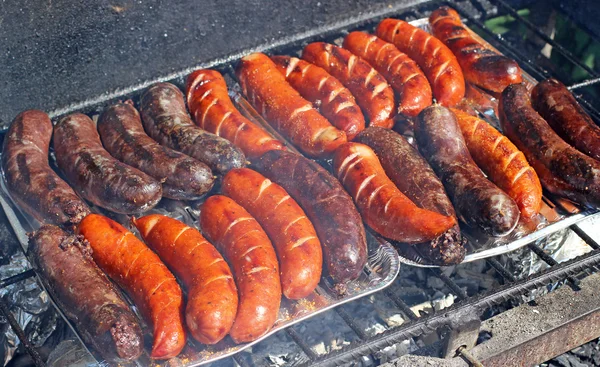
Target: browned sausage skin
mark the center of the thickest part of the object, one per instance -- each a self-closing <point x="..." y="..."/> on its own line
<point x="372" y="92"/>
<point x="435" y="59"/>
<point x="553" y="101"/>
<point x="95" y="174"/>
<point x="562" y="169"/>
<point x="333" y="100"/>
<point x="480" y="65"/>
<point x="403" y="74"/>
<point x="31" y="182"/>
<point x="122" y="134"/>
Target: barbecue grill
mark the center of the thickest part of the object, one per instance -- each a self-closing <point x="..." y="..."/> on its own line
<point x="511" y="323"/>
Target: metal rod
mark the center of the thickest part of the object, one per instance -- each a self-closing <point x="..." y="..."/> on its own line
<point x="240" y="361"/>
<point x="16" y="278"/>
<point x="584" y="236"/>
<point x="401" y="304"/>
<point x="37" y="359"/>
<point x="501" y="269"/>
<point x="298" y="340"/>
<point x="550" y="261"/>
<point x="584" y="83"/>
<point x="350" y="321"/>
<point x="460" y="293"/>
<point x="463" y="352"/>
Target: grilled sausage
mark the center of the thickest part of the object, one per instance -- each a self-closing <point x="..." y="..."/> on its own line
<point x="122" y="134"/>
<point x="403" y="74"/>
<point x="502" y="162"/>
<point x="166" y="120"/>
<point x="284" y="108"/>
<point x="553" y="101"/>
<point x="213" y="111"/>
<point x="248" y="249"/>
<point x="32" y="184"/>
<point x="84" y="294"/>
<point x="328" y="207"/>
<point x="333" y="100"/>
<point x="212" y="299"/>
<point x="373" y="94"/>
<point x="413" y="176"/>
<point x="136" y="269"/>
<point x="95" y="174"/>
<point x="563" y="170"/>
<point x="478" y="202"/>
<point x="383" y="207"/>
<point x="480" y="65"/>
<point x="435" y="59"/>
<point x="293" y="235"/>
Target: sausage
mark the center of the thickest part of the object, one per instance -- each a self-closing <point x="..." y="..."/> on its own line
<point x="433" y="57"/>
<point x="32" y="184"/>
<point x="413" y="176"/>
<point x="383" y="207"/>
<point x="293" y="235"/>
<point x="333" y="100"/>
<point x="95" y="174"/>
<point x="562" y="169"/>
<point x="122" y="134"/>
<point x="478" y="202"/>
<point x="480" y="65"/>
<point x="502" y="162"/>
<point x="553" y="101"/>
<point x="209" y="104"/>
<point x="248" y="249"/>
<point x="136" y="269"/>
<point x="329" y="208"/>
<point x="84" y="294"/>
<point x="212" y="299"/>
<point x="166" y="120"/>
<point x="284" y="108"/>
<point x="403" y="74"/>
<point x="372" y="92"/>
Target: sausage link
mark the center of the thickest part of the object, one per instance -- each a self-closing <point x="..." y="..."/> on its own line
<point x="372" y="92"/>
<point x="136" y="269"/>
<point x="122" y="134"/>
<point x="435" y="59"/>
<point x="333" y="100"/>
<point x="478" y="202"/>
<point x="553" y="101"/>
<point x="248" y="249"/>
<point x="502" y="162"/>
<point x="293" y="235"/>
<point x="95" y="174"/>
<point x="166" y="120"/>
<point x="284" y="108"/>
<point x="327" y="205"/>
<point x="84" y="294"/>
<point x="212" y="295"/>
<point x="413" y="176"/>
<point x="480" y="65"/>
<point x="562" y="169"/>
<point x="383" y="207"/>
<point x="32" y="184"/>
<point x="403" y="74"/>
<point x="209" y="104"/>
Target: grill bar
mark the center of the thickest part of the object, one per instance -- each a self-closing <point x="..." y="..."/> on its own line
<point x="16" y="278"/>
<point x="501" y="270"/>
<point x="550" y="261"/>
<point x="460" y="293"/>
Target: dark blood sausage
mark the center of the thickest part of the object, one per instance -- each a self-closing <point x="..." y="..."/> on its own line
<point x="372" y="92"/>
<point x="435" y="59"/>
<point x="333" y="100"/>
<point x="477" y="201"/>
<point x="82" y="291"/>
<point x="481" y="66"/>
<point x="32" y="184"/>
<point x="166" y="120"/>
<point x="413" y="176"/>
<point x="327" y="205"/>
<point x="213" y="111"/>
<point x="212" y="299"/>
<point x="553" y="101"/>
<point x="95" y="174"/>
<point x="284" y="108"/>
<point x="122" y="134"/>
<point x="139" y="271"/>
<point x="251" y="255"/>
<point x="563" y="170"/>
<point x="403" y="74"/>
